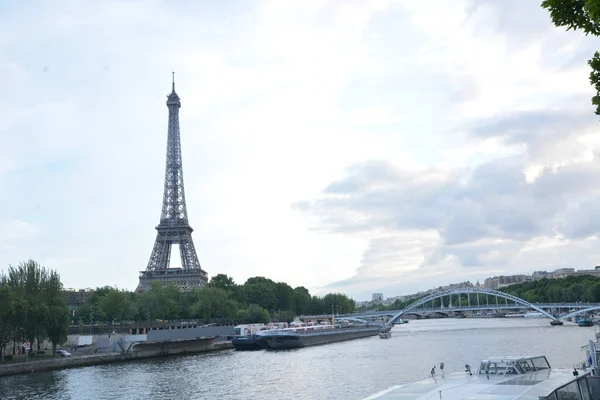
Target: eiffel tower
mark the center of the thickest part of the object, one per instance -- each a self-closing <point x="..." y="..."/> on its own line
<point x="174" y="227"/>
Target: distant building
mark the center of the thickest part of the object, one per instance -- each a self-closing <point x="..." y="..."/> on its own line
<point x="391" y="300"/>
<point x="563" y="272"/>
<point x="77" y="297"/>
<point x="459" y="285"/>
<point x="360" y="304"/>
<point x="377" y="297"/>
<point x="498" y="282"/>
<point x="539" y="275"/>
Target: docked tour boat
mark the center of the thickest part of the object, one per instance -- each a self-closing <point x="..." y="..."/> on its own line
<point x="500" y="378"/>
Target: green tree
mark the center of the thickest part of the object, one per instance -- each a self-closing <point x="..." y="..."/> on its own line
<point x="213" y="303"/>
<point x="284" y="316"/>
<point x="257" y="314"/>
<point x="261" y="291"/>
<point x="28" y="278"/>
<point x="116" y="305"/>
<point x="595" y="292"/>
<point x="338" y="303"/>
<point x="583" y="15"/>
<point x="39" y="305"/>
<point x="8" y="317"/>
<point x="222" y="281"/>
<point x="302" y="298"/>
<point x="56" y="320"/>
<point x="286" y="299"/>
<point x="569" y="289"/>
<point x="85" y="313"/>
<point x="242" y="316"/>
<point x="160" y="302"/>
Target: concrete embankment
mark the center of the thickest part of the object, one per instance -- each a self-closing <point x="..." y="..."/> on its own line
<point x="138" y="351"/>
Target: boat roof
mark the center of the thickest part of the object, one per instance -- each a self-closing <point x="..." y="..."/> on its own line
<point x="508" y="358"/>
<point x="460" y="385"/>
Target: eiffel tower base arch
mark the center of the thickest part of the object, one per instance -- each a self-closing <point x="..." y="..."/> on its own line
<point x="183" y="279"/>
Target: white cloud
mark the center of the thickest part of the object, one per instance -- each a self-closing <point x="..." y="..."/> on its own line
<point x="279" y="98"/>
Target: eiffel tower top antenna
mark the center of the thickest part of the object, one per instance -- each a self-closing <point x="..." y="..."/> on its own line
<point x="173" y="80"/>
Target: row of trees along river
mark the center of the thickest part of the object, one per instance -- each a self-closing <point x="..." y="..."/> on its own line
<point x="584" y="288"/>
<point x="222" y="300"/>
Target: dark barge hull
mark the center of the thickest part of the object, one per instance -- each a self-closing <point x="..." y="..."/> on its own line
<point x="249" y="343"/>
<point x="296" y="340"/>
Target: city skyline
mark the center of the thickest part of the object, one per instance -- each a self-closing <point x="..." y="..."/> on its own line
<point x="362" y="147"/>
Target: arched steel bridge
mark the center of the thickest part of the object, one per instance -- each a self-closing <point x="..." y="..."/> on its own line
<point x="518" y="303"/>
<point x="468" y="291"/>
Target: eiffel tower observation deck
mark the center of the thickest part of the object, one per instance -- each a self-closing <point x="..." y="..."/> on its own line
<point x="174" y="227"/>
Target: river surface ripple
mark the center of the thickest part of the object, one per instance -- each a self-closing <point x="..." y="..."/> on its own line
<point x="347" y="370"/>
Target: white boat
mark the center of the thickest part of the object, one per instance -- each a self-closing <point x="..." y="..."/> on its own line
<point x="499" y="378"/>
<point x="534" y="314"/>
<point x="514" y="315"/>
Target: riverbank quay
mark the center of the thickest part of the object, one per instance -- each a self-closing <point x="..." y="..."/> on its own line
<point x="138" y="351"/>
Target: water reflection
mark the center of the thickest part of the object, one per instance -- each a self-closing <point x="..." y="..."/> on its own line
<point x="45" y="385"/>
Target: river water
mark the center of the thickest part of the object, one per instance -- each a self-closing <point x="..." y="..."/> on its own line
<point x="347" y="370"/>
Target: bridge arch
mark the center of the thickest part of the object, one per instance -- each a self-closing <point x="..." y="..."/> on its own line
<point x="581" y="311"/>
<point x="467" y="290"/>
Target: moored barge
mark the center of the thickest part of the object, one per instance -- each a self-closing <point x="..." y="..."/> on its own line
<point x="291" y="339"/>
<point x="250" y="342"/>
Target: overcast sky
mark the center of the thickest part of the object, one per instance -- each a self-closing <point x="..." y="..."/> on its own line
<point x="353" y="146"/>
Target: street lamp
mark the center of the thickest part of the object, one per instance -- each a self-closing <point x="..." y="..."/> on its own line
<point x="332" y="315"/>
<point x="91" y="322"/>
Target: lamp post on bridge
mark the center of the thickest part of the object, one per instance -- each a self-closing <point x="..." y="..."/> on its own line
<point x="332" y="315"/>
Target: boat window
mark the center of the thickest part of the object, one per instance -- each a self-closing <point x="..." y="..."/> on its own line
<point x="237" y="331"/>
<point x="518" y="369"/>
<point x="540" y="363"/>
<point x="504" y="368"/>
<point x="526" y="366"/>
<point x="585" y="390"/>
<point x="551" y="397"/>
<point x="483" y="367"/>
<point x="498" y="368"/>
<point x="569" y="392"/>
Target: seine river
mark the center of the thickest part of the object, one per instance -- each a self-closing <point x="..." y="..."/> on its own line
<point x="348" y="370"/>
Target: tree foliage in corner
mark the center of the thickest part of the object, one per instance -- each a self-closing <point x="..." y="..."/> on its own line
<point x="32" y="306"/>
<point x="583" y="15"/>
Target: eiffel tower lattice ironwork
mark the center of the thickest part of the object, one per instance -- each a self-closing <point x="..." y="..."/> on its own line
<point x="174" y="227"/>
